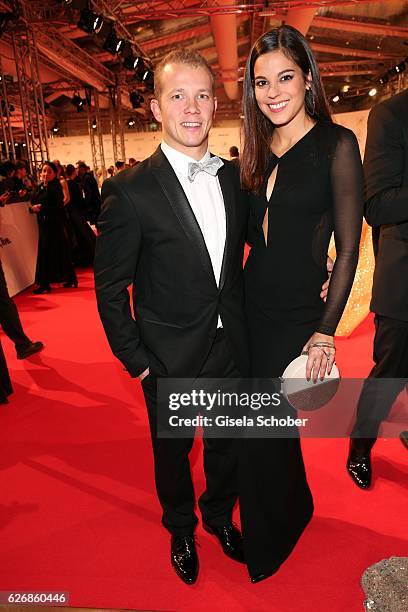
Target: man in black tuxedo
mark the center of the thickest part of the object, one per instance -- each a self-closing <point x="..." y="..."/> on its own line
<point x="174" y="228"/>
<point x="386" y="174"/>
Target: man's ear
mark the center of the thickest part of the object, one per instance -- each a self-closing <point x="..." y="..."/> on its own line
<point x="155" y="108"/>
<point x="215" y="106"/>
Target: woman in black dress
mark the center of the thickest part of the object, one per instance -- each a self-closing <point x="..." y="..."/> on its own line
<point x="83" y="238"/>
<point x="54" y="264"/>
<point x="303" y="174"/>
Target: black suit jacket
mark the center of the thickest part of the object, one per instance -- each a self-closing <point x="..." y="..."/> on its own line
<point x="149" y="238"/>
<point x="386" y="175"/>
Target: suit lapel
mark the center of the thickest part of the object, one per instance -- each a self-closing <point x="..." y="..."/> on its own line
<point x="181" y="207"/>
<point x="228" y="193"/>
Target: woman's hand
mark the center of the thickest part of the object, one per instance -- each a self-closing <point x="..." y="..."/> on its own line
<point x="35" y="208"/>
<point x="321" y="356"/>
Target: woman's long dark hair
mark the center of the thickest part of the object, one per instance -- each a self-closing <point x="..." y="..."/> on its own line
<point x="257" y="128"/>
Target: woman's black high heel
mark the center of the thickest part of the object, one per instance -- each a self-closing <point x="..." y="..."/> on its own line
<point x="42" y="289"/>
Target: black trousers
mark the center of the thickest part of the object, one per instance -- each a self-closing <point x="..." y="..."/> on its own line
<point x="391" y="362"/>
<point x="9" y="317"/>
<point x="171" y="463"/>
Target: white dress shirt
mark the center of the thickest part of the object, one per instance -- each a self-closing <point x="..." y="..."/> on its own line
<point x="206" y="200"/>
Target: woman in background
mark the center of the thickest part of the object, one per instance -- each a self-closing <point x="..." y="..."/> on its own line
<point x="54" y="264"/>
<point x="303" y="174"/>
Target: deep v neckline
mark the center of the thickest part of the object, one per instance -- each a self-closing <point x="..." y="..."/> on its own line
<point x="294" y="146"/>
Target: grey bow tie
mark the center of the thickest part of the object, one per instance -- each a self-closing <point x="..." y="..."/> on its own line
<point x="211" y="167"/>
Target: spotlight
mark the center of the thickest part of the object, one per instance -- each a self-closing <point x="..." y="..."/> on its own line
<point x="24" y="144"/>
<point x="87" y="20"/>
<point x="129" y="61"/>
<point x="345" y="88"/>
<point x="400" y="68"/>
<point x="94" y="124"/>
<point x="372" y="92"/>
<point x="124" y="47"/>
<point x="98" y="24"/>
<point x="55" y="127"/>
<point x="136" y="99"/>
<point x="111" y="42"/>
<point x="384" y="79"/>
<point x="78" y="102"/>
<point x="336" y="99"/>
<point x="131" y="122"/>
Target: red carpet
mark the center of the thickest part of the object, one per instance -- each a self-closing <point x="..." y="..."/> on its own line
<point x="78" y="511"/>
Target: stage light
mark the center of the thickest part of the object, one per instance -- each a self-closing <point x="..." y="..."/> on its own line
<point x="111" y="42"/>
<point x="55" y="127"/>
<point x="131" y="122"/>
<point x="87" y="21"/>
<point x="78" y="102"/>
<point x="94" y="124"/>
<point x="98" y="24"/>
<point x="136" y="99"/>
<point x="124" y="47"/>
<point x="372" y="92"/>
<point x="400" y="68"/>
<point x="128" y="61"/>
<point x="345" y="88"/>
<point x="336" y="99"/>
<point x="384" y="79"/>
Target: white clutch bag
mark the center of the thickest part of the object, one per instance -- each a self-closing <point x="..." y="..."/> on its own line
<point x="305" y="394"/>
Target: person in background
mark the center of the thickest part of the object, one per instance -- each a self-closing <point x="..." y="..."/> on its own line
<point x="120" y="166"/>
<point x="62" y="180"/>
<point x="91" y="193"/>
<point x="110" y="171"/>
<point x="10" y="319"/>
<point x="234" y="154"/>
<point x="7" y="179"/>
<point x="132" y="162"/>
<point x="82" y="237"/>
<point x="386" y="210"/>
<point x="23" y="183"/>
<point x="54" y="263"/>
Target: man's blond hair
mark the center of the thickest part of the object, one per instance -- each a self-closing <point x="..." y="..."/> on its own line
<point x="180" y="56"/>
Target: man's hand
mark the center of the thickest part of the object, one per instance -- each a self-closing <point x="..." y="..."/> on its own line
<point x="325" y="286"/>
<point x="144" y="374"/>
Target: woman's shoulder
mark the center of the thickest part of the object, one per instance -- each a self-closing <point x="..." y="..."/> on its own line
<point x="336" y="131"/>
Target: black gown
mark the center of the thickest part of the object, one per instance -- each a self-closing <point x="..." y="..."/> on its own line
<point x="54" y="263"/>
<point x="318" y="190"/>
<point x="83" y="239"/>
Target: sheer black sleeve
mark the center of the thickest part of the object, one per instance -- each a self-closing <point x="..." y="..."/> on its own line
<point x="384" y="159"/>
<point x="347" y="185"/>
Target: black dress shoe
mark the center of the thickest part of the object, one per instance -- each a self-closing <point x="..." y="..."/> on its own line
<point x="30" y="349"/>
<point x="259" y="577"/>
<point x="359" y="466"/>
<point x="42" y="289"/>
<point x="230" y="539"/>
<point x="184" y="558"/>
<point x="404" y="438"/>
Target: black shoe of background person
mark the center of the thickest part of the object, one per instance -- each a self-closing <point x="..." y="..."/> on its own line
<point x="230" y="539"/>
<point x="359" y="465"/>
<point x="404" y="438"/>
<point x="70" y="284"/>
<point x="42" y="289"/>
<point x="29" y="349"/>
<point x="184" y="558"/>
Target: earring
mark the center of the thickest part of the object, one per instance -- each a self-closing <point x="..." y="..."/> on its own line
<point x="310" y="101"/>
